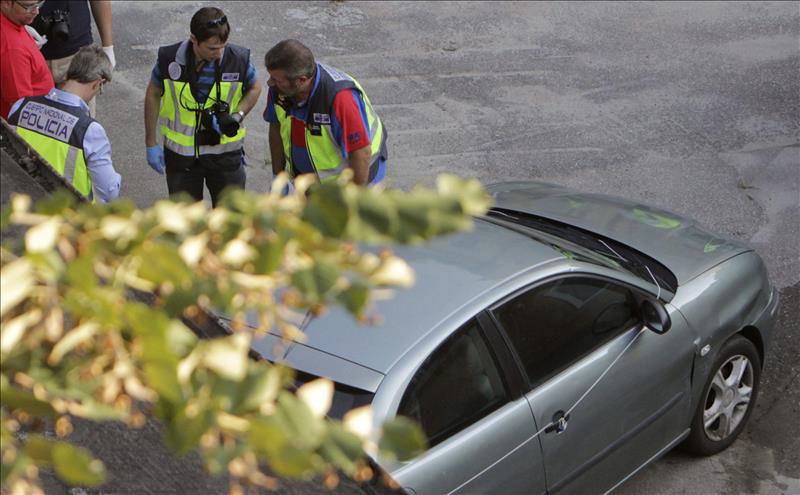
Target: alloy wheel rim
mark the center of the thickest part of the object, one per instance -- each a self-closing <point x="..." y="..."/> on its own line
<point x="728" y="399"/>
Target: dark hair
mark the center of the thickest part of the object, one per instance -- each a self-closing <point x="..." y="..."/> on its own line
<point x="209" y="22"/>
<point x="291" y="56"/>
<point x="89" y="64"/>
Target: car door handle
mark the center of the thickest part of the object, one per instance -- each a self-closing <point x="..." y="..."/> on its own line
<point x="559" y="423"/>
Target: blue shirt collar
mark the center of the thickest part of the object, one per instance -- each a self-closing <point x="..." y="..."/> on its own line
<point x="67" y="98"/>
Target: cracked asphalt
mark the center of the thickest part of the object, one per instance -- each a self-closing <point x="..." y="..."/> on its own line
<point x="690" y="106"/>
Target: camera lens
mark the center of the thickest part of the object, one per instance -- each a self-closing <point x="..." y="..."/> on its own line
<point x="228" y="125"/>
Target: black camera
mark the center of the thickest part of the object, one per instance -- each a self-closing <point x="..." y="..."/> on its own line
<point x="55" y="26"/>
<point x="228" y="124"/>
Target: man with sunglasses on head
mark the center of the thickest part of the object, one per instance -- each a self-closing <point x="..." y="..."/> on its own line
<point x="200" y="91"/>
<point x="23" y="70"/>
<point x="59" y="128"/>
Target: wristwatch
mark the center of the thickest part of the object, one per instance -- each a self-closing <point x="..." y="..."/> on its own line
<point x="241" y="116"/>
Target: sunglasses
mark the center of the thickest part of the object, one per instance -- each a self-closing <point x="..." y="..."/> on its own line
<point x="29" y="8"/>
<point x="217" y="22"/>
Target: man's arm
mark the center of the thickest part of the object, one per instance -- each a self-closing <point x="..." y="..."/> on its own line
<point x="16" y="79"/>
<point x="250" y="98"/>
<point x="359" y="162"/>
<point x="106" y="181"/>
<point x="101" y="11"/>
<point x="353" y="133"/>
<point x="276" y="148"/>
<point x="152" y="99"/>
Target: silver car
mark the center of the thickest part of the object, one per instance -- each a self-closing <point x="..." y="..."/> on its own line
<point x="563" y="344"/>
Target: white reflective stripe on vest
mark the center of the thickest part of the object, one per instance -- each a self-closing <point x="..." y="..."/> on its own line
<point x="69" y="164"/>
<point x="231" y="93"/>
<point x="204" y="150"/>
<point x="176" y="124"/>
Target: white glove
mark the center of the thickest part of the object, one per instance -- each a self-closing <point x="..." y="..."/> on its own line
<point x="109" y="51"/>
<point x="38" y="38"/>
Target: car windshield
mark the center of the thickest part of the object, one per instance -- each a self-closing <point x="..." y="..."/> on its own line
<point x="606" y="252"/>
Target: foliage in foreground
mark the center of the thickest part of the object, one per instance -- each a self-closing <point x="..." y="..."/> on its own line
<point x="74" y="343"/>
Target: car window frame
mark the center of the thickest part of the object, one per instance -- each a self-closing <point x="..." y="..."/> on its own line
<point x="500" y="354"/>
<point x="524" y="382"/>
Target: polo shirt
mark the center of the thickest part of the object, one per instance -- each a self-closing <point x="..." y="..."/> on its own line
<point x="23" y="70"/>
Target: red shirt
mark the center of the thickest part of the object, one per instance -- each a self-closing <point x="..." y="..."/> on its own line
<point x="23" y="70"/>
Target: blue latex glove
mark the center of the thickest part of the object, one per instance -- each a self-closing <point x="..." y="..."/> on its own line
<point x="155" y="158"/>
<point x="215" y="124"/>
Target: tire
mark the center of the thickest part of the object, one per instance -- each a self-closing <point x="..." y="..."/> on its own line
<point x="727" y="401"/>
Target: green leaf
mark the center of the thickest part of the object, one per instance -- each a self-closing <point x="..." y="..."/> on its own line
<point x="80" y="273"/>
<point x="5" y="217"/>
<point x="295" y="462"/>
<point x="327" y="210"/>
<point x="267" y="435"/>
<point x="76" y="466"/>
<point x="260" y="387"/>
<point x="315" y="283"/>
<point x="401" y="439"/>
<point x="56" y="203"/>
<point x="97" y="411"/>
<point x="164" y="379"/>
<point x="163" y="263"/>
<point x="305" y="430"/>
<point x="183" y="432"/>
<point x="374" y="218"/>
<point x="341" y="448"/>
<point x="269" y="256"/>
<point x="355" y="298"/>
<point x="40" y="449"/>
<point x="15" y="398"/>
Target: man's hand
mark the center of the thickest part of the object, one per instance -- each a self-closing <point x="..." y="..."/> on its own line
<point x="155" y="158"/>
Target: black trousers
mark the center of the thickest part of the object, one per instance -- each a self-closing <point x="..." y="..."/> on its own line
<point x="183" y="177"/>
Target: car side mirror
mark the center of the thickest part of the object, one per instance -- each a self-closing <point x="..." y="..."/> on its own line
<point x="655" y="316"/>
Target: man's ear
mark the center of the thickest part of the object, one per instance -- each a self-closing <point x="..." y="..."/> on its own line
<point x="193" y="39"/>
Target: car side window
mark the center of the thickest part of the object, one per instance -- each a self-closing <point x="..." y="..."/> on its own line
<point x="458" y="384"/>
<point x="553" y="325"/>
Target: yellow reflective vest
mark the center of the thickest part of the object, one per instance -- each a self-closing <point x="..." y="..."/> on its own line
<point x="179" y="116"/>
<point x="56" y="131"/>
<point x="325" y="154"/>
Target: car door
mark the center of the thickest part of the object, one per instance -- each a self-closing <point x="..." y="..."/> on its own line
<point x="480" y="440"/>
<point x="622" y="390"/>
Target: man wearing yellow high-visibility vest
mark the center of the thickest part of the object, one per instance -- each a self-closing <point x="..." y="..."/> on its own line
<point x="200" y="90"/>
<point x="320" y="119"/>
<point x="58" y="126"/>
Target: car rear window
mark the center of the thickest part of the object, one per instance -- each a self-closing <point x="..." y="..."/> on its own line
<point x="345" y="397"/>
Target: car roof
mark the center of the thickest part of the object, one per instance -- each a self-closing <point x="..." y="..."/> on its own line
<point x="450" y="272"/>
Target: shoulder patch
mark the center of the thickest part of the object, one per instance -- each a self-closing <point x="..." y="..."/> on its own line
<point x="174" y="71"/>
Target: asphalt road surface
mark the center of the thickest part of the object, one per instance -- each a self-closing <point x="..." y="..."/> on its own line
<point x="693" y="107"/>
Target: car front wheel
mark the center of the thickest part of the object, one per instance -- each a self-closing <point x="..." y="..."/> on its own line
<point x="728" y="398"/>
